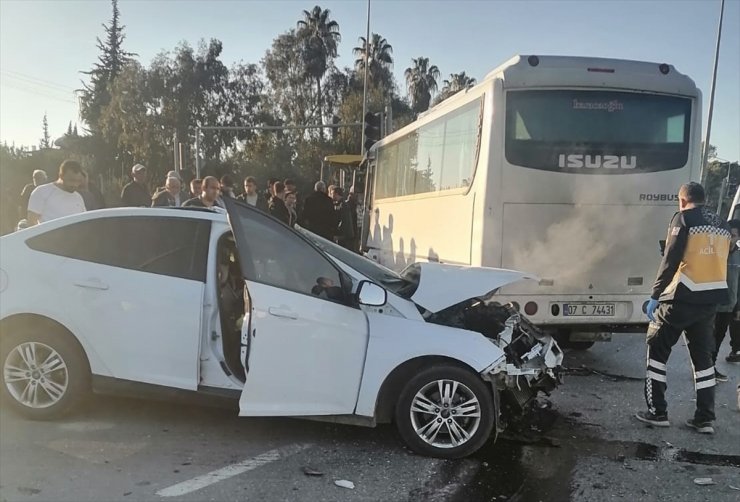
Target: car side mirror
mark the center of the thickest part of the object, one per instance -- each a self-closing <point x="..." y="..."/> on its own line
<point x="372" y="295"/>
<point x="662" y="247"/>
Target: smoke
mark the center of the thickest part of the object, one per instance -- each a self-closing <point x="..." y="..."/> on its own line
<point x="592" y="246"/>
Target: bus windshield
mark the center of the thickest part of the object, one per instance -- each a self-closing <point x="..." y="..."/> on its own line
<point x="597" y="132"/>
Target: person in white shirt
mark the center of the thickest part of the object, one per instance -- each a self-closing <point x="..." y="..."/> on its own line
<point x="60" y="198"/>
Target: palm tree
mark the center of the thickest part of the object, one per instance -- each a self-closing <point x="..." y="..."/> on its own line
<point x="456" y="83"/>
<point x="319" y="36"/>
<point x="421" y="81"/>
<point x="379" y="54"/>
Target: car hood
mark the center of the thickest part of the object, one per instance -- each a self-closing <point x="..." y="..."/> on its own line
<point x="442" y="285"/>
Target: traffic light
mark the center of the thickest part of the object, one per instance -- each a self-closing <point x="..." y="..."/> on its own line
<point x="372" y="129"/>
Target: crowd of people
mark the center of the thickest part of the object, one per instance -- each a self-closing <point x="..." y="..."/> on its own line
<point x="325" y="212"/>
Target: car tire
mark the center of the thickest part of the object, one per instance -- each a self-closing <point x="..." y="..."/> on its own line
<point x="421" y="407"/>
<point x="44" y="373"/>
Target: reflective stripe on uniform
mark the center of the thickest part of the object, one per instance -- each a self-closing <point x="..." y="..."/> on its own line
<point x="657" y="365"/>
<point x="706" y="383"/>
<point x="704" y="373"/>
<point x="656" y="376"/>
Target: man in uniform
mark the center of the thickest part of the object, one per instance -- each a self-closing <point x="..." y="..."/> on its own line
<point x="691" y="284"/>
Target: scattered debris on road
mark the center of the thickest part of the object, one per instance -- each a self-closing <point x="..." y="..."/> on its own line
<point x="584" y="370"/>
<point x="343" y="483"/>
<point x="310" y="471"/>
<point x="704" y="481"/>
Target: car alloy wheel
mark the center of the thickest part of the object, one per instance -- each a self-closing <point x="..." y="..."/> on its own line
<point x="44" y="371"/>
<point x="35" y="375"/>
<point x="445" y="413"/>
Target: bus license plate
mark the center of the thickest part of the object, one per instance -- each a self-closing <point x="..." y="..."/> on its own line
<point x="588" y="309"/>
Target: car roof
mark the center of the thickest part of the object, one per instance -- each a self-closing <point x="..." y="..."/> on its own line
<point x="117" y="212"/>
<point x="200" y="213"/>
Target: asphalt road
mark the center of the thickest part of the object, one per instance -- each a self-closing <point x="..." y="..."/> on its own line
<point x="586" y="447"/>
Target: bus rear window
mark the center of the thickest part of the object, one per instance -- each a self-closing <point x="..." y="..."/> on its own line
<point x="597" y="132"/>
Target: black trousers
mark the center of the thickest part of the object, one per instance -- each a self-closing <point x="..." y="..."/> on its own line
<point x="723" y="321"/>
<point x="671" y="320"/>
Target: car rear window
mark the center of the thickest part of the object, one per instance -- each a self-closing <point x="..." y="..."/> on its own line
<point x="176" y="247"/>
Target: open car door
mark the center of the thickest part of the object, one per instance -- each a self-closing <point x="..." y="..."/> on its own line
<point x="306" y="341"/>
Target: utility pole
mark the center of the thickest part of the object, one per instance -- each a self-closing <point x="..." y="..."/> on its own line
<point x="197" y="152"/>
<point x="176" y="151"/>
<point x="705" y="153"/>
<point x="388" y="118"/>
<point x="367" y="63"/>
<point x="180" y="166"/>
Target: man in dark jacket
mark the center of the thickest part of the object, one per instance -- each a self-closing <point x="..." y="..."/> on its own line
<point x="290" y="186"/>
<point x="136" y="193"/>
<point x="318" y="213"/>
<point x="277" y="203"/>
<point x="691" y="284"/>
<point x="344" y="234"/>
<point x="91" y="194"/>
<point x="39" y="178"/>
<point x="251" y="196"/>
<point x="209" y="195"/>
<point x="170" y="196"/>
<point x="291" y="202"/>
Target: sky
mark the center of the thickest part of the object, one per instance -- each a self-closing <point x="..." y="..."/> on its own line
<point x="44" y="44"/>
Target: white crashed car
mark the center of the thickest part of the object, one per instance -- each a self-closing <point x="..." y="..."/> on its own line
<point x="288" y="323"/>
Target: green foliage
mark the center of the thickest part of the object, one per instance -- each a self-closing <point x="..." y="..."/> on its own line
<point x="379" y="57"/>
<point x="721" y="182"/>
<point x="45" y="139"/>
<point x="456" y="83"/>
<point x="319" y="37"/>
<point x="133" y="110"/>
<point x="111" y="60"/>
<point x="421" y="81"/>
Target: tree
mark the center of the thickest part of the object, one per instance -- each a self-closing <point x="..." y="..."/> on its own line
<point x="179" y="92"/>
<point x="319" y="37"/>
<point x="379" y="57"/>
<point x="111" y="61"/>
<point x="456" y="83"/>
<point x="46" y="139"/>
<point x="131" y="123"/>
<point x="335" y="89"/>
<point x="285" y="72"/>
<point x="421" y="82"/>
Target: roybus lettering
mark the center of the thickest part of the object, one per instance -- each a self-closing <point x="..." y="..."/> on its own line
<point x="578" y="161"/>
<point x="658" y="197"/>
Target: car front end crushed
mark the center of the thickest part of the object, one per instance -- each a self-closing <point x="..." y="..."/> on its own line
<point x="532" y="360"/>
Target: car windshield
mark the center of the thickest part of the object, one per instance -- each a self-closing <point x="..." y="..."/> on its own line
<point x="373" y="271"/>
